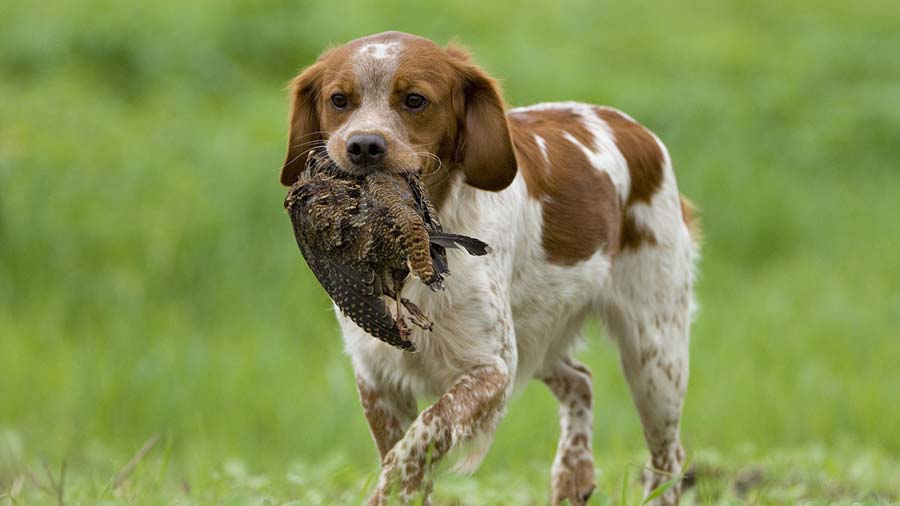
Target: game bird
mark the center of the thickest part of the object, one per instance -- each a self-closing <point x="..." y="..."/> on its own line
<point x="362" y="235"/>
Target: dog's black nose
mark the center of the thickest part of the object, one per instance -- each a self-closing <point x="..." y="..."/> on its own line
<point x="366" y="149"/>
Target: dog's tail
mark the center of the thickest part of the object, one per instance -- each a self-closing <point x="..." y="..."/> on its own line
<point x="470" y="453"/>
<point x="691" y="219"/>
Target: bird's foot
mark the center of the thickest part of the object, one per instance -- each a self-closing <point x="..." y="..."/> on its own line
<point x="417" y="316"/>
<point x="436" y="283"/>
<point x="403" y="328"/>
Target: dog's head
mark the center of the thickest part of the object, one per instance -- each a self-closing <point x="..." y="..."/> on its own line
<point x="398" y="102"/>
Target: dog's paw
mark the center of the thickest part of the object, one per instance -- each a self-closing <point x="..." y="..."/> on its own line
<point x="573" y="478"/>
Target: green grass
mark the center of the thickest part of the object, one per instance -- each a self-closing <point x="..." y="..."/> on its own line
<point x="150" y="285"/>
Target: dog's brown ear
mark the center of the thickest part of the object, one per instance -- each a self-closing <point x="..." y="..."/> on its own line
<point x="484" y="148"/>
<point x="305" y="130"/>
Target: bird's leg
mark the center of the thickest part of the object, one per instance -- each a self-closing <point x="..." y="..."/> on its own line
<point x="401" y="321"/>
<point x="417" y="316"/>
<point x="402" y="327"/>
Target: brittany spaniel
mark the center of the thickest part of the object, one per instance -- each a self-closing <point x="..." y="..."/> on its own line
<point x="580" y="205"/>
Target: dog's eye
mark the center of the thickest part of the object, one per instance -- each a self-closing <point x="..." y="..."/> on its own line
<point x="339" y="100"/>
<point x="415" y="102"/>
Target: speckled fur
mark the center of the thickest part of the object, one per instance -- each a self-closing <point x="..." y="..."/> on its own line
<point x="572" y="475"/>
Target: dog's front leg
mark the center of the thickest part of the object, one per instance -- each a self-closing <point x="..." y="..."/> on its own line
<point x="474" y="403"/>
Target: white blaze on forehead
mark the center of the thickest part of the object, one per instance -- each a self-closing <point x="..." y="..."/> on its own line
<point x="380" y="50"/>
<point x="374" y="65"/>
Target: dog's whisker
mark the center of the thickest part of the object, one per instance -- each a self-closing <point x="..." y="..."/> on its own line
<point x="432" y="156"/>
<point x="316" y="142"/>
<point x="302" y="153"/>
<point x="309" y="134"/>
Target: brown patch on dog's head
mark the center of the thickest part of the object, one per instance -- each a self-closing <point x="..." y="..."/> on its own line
<point x="483" y="146"/>
<point x="305" y="131"/>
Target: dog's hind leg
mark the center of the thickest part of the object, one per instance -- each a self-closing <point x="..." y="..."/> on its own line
<point x="572" y="476"/>
<point x="388" y="412"/>
<point x="649" y="316"/>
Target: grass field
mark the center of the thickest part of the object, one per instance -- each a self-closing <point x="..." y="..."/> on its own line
<point x="151" y="291"/>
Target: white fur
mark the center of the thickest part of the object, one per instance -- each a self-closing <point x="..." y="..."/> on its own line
<point x="380" y="50"/>
<point x="542" y="145"/>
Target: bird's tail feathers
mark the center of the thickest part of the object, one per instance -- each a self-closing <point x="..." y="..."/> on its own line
<point x="472" y="245"/>
<point x="439" y="260"/>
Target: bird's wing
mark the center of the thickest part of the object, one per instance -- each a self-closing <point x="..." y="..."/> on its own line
<point x="356" y="290"/>
<point x="357" y="293"/>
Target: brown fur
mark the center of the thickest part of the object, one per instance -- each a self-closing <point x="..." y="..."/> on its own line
<point x="645" y="167"/>
<point x="634" y="236"/>
<point x="581" y="212"/>
<point x="484" y="149"/>
<point x="689" y="215"/>
<point x="641" y="151"/>
<point x="386" y="426"/>
<point x="304" y="129"/>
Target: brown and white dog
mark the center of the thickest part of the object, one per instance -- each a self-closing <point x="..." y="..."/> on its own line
<point x="580" y="205"/>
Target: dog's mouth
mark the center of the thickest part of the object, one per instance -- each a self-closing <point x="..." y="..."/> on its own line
<point x="369" y="169"/>
<point x="359" y="170"/>
<point x="398" y="163"/>
<point x="362" y="171"/>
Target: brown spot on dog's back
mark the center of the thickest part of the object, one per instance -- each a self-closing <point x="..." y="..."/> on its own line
<point x="635" y="235"/>
<point x="645" y="168"/>
<point x="581" y="210"/>
<point x="641" y="151"/>
<point x="557" y="122"/>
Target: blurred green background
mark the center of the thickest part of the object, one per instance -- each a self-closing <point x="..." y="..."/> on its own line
<point x="150" y="284"/>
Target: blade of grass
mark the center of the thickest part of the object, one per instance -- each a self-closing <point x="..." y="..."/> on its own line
<point x="666" y="485"/>
<point x="166" y="457"/>
<point x="365" y="488"/>
<point x="133" y="463"/>
<point x="60" y="492"/>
